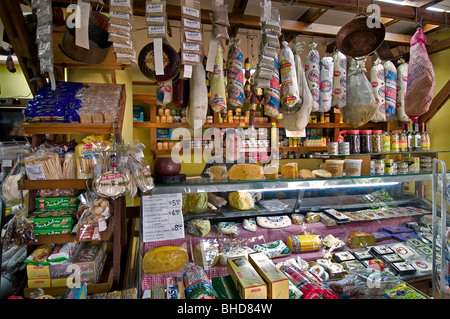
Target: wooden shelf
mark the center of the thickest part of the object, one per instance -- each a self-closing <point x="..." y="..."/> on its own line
<point x="104" y="285"/>
<point x="303" y="148"/>
<point x="56" y="184"/>
<point x="43" y="128"/>
<point x="69" y="238"/>
<point x="206" y="125"/>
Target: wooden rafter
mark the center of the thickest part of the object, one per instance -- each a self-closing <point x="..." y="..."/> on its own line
<point x="388" y="10"/>
<point x="22" y="41"/>
<point x="238" y="9"/>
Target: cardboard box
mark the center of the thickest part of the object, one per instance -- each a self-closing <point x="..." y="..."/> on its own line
<point x="277" y="282"/>
<point x="50" y="220"/>
<point x="57" y="202"/>
<point x="39" y="283"/>
<point x="247" y="281"/>
<point x="38" y="272"/>
<point x="90" y="259"/>
<point x="61" y="282"/>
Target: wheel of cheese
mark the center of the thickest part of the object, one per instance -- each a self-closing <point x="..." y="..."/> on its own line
<point x="273" y="221"/>
<point x="171" y="61"/>
<point x="271" y="172"/>
<point x="218" y="172"/>
<point x="245" y="172"/>
<point x="164" y="259"/>
<point x="322" y="173"/>
<point x="289" y="171"/>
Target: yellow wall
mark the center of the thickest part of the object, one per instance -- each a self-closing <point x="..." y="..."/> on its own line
<point x="439" y="125"/>
<point x="13" y="84"/>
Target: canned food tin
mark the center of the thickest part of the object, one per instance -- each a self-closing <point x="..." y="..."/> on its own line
<point x="389" y="166"/>
<point x="413" y="164"/>
<point x="333" y="148"/>
<point x="426" y="164"/>
<point x="379" y="167"/>
<point x="344" y="148"/>
<point x="402" y="167"/>
<point x="372" y="167"/>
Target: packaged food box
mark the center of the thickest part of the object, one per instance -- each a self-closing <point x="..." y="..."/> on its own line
<point x="225" y="288"/>
<point x="247" y="281"/>
<point x="90" y="259"/>
<point x="39" y="283"/>
<point x="52" y="219"/>
<point x="52" y="231"/>
<point x="38" y="272"/>
<point x="277" y="282"/>
<point x="56" y="202"/>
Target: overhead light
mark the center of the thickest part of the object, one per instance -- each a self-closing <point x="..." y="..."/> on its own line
<point x="435" y="9"/>
<point x="400" y="3"/>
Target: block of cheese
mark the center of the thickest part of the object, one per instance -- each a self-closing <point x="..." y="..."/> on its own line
<point x="234" y="251"/>
<point x="164" y="259"/>
<point x="273" y="249"/>
<point x="245" y="172"/>
<point x="271" y="172"/>
<point x="218" y="172"/>
<point x="206" y="254"/>
<point x="241" y="200"/>
<point x="359" y="239"/>
<point x="305" y="173"/>
<point x="289" y="171"/>
<point x="273" y="221"/>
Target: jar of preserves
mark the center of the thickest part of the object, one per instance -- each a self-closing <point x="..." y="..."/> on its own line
<point x="377" y="141"/>
<point x="353" y="138"/>
<point x="365" y="141"/>
<point x="395" y="141"/>
<point x="386" y="142"/>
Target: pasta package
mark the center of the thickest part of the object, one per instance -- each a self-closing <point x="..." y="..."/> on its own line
<point x="326" y="84"/>
<point x="235" y="75"/>
<point x="89" y="155"/>
<point x="339" y="79"/>
<point x="390" y="76"/>
<point x="312" y="70"/>
<point x="378" y="85"/>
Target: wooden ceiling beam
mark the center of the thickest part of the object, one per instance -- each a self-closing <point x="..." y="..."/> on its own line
<point x="239" y="7"/>
<point x="23" y="42"/>
<point x="388" y="10"/>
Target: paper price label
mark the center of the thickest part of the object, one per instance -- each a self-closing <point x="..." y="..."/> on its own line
<point x="162" y="217"/>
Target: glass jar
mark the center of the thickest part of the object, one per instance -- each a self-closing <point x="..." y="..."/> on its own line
<point x="386" y="140"/>
<point x="353" y="138"/>
<point x="403" y="141"/>
<point x="377" y="141"/>
<point x="365" y="141"/>
<point x="395" y="141"/>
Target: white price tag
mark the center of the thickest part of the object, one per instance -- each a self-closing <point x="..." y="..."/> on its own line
<point x="35" y="172"/>
<point x="158" y="49"/>
<point x="162" y="217"/>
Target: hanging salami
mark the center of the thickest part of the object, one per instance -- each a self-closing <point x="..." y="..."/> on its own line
<point x="390" y="80"/>
<point x="378" y="85"/>
<point x="402" y="82"/>
<point x="217" y="82"/>
<point x="235" y="75"/>
<point x="326" y="83"/>
<point x="339" y="79"/>
<point x="312" y="70"/>
<point x="272" y="94"/>
<point x="290" y="97"/>
<point x="198" y="97"/>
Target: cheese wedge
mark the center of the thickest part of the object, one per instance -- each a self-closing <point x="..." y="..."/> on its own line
<point x="164" y="259"/>
<point x="245" y="172"/>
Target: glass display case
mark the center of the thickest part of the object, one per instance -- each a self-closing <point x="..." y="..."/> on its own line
<point x="280" y="209"/>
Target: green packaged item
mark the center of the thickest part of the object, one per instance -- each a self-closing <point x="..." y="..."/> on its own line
<point x="225" y="288"/>
<point x="56" y="202"/>
<point x="403" y="291"/>
<point x="51" y="231"/>
<point x="197" y="283"/>
<point x="63" y="219"/>
<point x="196" y="203"/>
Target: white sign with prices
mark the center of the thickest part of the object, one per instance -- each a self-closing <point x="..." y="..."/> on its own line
<point x="162" y="217"/>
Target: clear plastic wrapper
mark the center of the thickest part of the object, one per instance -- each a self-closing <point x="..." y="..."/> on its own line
<point x="190" y="9"/>
<point x="124" y="19"/>
<point x="10" y="186"/>
<point x="43" y="164"/>
<point x="220" y="32"/>
<point x="206" y="253"/>
<point x="197" y="283"/>
<point x="220" y="13"/>
<point x="93" y="218"/>
<point x="18" y="229"/>
<point x="140" y="168"/>
<point x="89" y="155"/>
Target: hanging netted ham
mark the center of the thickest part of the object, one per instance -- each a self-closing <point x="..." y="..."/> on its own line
<point x="299" y="120"/>
<point x="361" y="104"/>
<point x="421" y="78"/>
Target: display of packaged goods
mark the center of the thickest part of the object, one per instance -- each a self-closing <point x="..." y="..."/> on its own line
<point x="276" y="281"/>
<point x="246" y="279"/>
<point x="225" y="288"/>
<point x="63" y="219"/>
<point x="57" y="202"/>
<point x="90" y="259"/>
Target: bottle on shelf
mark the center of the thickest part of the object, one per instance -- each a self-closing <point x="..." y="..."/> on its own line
<point x="425" y="138"/>
<point x="416" y="138"/>
<point x="403" y="141"/>
<point x="406" y="128"/>
<point x="395" y="141"/>
<point x="386" y="142"/>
